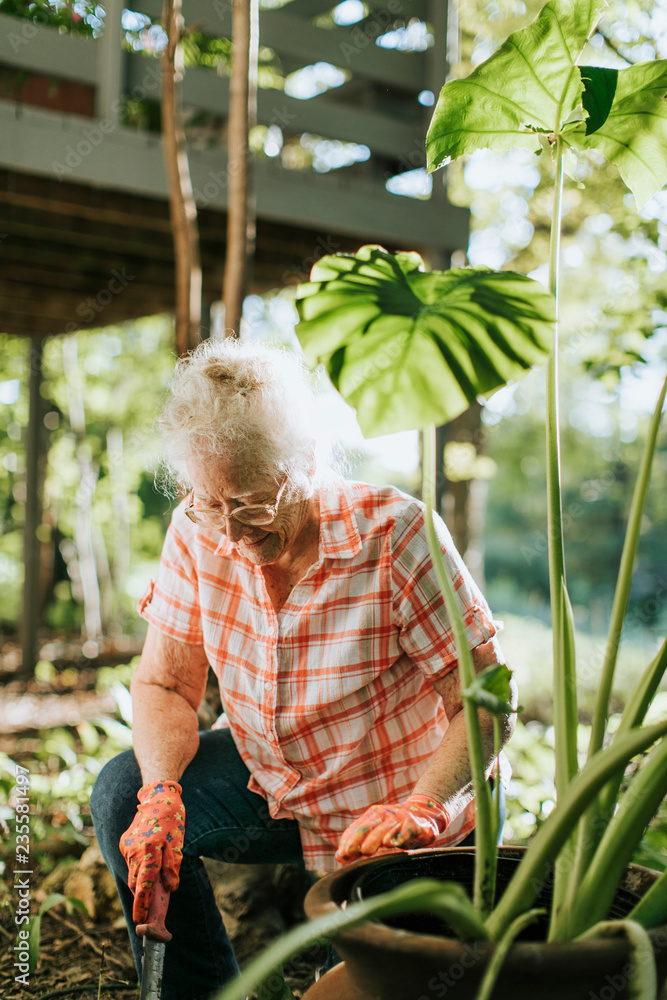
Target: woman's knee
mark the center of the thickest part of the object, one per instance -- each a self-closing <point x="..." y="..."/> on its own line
<point x="115" y="790"/>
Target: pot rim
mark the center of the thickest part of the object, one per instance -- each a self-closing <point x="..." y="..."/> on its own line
<point x="326" y="894"/>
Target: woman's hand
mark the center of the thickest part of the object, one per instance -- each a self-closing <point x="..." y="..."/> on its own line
<point x="417" y="822"/>
<point x="153" y="844"/>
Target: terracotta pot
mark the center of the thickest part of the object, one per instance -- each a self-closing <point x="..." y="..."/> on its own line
<point x="413" y="960"/>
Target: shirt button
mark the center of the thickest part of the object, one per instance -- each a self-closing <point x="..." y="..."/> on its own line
<point x="268" y="685"/>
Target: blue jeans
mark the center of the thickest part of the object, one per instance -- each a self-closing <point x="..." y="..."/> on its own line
<point x="223" y="821"/>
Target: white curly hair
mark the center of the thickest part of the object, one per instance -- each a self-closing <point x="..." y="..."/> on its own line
<point x="246" y="402"/>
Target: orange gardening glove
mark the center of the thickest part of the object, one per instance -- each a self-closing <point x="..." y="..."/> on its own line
<point x="417" y="822"/>
<point x="153" y="845"/>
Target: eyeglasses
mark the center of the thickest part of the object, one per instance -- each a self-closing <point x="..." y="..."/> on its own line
<point x="255" y="514"/>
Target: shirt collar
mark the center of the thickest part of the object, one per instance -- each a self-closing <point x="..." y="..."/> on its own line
<point x="339" y="534"/>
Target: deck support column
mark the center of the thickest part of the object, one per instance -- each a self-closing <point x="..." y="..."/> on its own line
<point x="33" y="513"/>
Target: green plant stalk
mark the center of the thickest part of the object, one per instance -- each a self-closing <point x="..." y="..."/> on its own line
<point x="597" y="816"/>
<point x="500" y="954"/>
<point x="485" y="842"/>
<point x="634" y="713"/>
<point x="643" y="985"/>
<point x="632" y="717"/>
<point x="549" y="839"/>
<point x="446" y="899"/>
<point x="564" y="677"/>
<point x="624" y="581"/>
<point x="496" y="781"/>
<point x="651" y="910"/>
<point x="639" y="803"/>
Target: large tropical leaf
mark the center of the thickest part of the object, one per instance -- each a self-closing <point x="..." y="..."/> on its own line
<point x="530" y="84"/>
<point x="628" y="123"/>
<point x="408" y="348"/>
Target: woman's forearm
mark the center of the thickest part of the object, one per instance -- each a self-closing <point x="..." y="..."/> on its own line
<point x="447" y="776"/>
<point x="165" y="729"/>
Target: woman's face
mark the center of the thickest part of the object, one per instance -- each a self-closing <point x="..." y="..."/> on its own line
<point x="217" y="487"/>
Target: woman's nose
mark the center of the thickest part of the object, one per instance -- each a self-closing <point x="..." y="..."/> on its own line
<point x="235" y="529"/>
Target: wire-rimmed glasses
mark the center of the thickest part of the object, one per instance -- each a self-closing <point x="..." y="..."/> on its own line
<point x="254" y="515"/>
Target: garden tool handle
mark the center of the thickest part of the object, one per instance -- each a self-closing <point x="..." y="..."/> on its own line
<point x="157" y="911"/>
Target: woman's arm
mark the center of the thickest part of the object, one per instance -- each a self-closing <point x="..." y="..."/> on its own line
<point x="167" y="688"/>
<point x="447" y="776"/>
<point x="445" y="787"/>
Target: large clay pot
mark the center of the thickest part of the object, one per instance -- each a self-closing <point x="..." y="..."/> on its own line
<point x="413" y="960"/>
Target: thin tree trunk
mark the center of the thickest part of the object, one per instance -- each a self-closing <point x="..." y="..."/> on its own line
<point x="83" y="520"/>
<point x="242" y="116"/>
<point x="121" y="514"/>
<point x="181" y="197"/>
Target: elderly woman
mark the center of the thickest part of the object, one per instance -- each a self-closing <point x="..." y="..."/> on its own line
<point x="315" y="602"/>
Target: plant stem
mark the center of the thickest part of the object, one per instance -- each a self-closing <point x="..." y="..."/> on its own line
<point x="564" y="675"/>
<point x="596" y="818"/>
<point x="622" y="592"/>
<point x="624" y="831"/>
<point x="564" y="689"/>
<point x="486" y="855"/>
<point x="549" y="839"/>
<point x="500" y="954"/>
<point x="446" y="899"/>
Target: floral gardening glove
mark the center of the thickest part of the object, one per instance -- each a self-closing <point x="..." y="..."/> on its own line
<point x="417" y="822"/>
<point x="153" y="845"/>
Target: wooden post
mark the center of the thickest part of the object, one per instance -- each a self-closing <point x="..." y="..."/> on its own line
<point x="181" y="196"/>
<point x="33" y="513"/>
<point x="242" y="115"/>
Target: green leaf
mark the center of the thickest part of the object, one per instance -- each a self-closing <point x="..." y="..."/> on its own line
<point x="651" y="910"/>
<point x="530" y="84"/>
<point x="35" y="925"/>
<point x="600" y="84"/>
<point x="408" y="348"/>
<point x="552" y="835"/>
<point x="637" y="806"/>
<point x="505" y="942"/>
<point x="633" y="136"/>
<point x="447" y="900"/>
<point x="491" y="690"/>
<point x="642" y="983"/>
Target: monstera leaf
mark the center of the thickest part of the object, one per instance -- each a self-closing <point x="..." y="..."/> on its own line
<point x="406" y="347"/>
<point x="627" y="122"/>
<point x="531" y="84"/>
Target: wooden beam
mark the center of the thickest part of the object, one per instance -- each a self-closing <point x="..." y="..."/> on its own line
<point x="323" y="115"/>
<point x="42" y="49"/>
<point x="403" y="9"/>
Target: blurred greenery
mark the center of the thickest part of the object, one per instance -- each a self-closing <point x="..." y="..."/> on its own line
<point x="62" y="764"/>
<point x="129" y="514"/>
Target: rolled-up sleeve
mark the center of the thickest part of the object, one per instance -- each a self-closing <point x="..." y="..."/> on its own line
<point x="171" y="601"/>
<point x="425" y="631"/>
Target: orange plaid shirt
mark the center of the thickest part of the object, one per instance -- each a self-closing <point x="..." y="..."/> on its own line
<point x="330" y="701"/>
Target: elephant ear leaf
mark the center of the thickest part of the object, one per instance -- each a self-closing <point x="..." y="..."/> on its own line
<point x="406" y="347"/>
<point x="628" y="123"/>
<point x="531" y="84"/>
